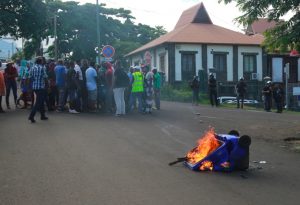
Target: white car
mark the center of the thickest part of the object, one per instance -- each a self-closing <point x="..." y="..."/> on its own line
<point x="224" y="99"/>
<point x="245" y="101"/>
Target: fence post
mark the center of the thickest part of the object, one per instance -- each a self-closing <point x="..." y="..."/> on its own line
<point x="287" y="72"/>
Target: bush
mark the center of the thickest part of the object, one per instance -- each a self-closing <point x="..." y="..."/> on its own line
<point x="180" y="93"/>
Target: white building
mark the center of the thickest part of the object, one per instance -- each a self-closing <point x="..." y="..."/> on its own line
<point x="196" y="44"/>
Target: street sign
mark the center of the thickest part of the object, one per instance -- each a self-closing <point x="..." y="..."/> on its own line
<point x="108" y="59"/>
<point x="108" y="51"/>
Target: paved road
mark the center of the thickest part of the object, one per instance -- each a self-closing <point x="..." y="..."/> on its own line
<point x="97" y="159"/>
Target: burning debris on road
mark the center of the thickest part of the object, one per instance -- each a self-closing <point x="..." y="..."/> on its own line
<point x="218" y="152"/>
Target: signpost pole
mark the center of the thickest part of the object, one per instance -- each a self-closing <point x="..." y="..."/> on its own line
<point x="55" y="36"/>
<point x="287" y="69"/>
<point x="98" y="32"/>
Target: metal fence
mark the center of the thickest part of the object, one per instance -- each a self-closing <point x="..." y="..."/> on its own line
<point x="254" y="89"/>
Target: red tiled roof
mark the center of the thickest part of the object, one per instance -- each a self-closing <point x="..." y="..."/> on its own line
<point x="261" y="25"/>
<point x="187" y="32"/>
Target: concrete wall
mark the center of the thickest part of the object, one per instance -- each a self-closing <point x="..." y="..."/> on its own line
<point x="250" y="49"/>
<point x="197" y="48"/>
<point x="187" y="47"/>
<point x="219" y="48"/>
<point x="298" y="69"/>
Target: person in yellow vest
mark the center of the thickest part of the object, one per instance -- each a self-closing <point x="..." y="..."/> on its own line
<point x="137" y="89"/>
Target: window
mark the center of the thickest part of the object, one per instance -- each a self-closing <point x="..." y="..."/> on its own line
<point x="162" y="65"/>
<point x="249" y="63"/>
<point x="188" y="66"/>
<point x="220" y="62"/>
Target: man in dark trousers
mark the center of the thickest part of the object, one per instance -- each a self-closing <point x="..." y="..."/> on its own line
<point x="38" y="76"/>
<point x="212" y="88"/>
<point x="241" y="88"/>
<point x="278" y="95"/>
<point x="267" y="93"/>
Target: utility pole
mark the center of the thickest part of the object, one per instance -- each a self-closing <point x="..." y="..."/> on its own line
<point x="287" y="73"/>
<point x="98" y="32"/>
<point x="55" y="36"/>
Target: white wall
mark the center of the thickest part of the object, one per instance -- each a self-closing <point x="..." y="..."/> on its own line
<point x="298" y="69"/>
<point x="250" y="49"/>
<point x="160" y="51"/>
<point x="135" y="58"/>
<point x="218" y="48"/>
<point x="187" y="47"/>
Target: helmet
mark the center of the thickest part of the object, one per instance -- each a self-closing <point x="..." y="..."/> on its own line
<point x="269" y="82"/>
<point x="242" y="78"/>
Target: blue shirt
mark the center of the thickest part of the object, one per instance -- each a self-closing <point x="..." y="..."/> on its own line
<point x="38" y="76"/>
<point x="60" y="74"/>
<point x="91" y="75"/>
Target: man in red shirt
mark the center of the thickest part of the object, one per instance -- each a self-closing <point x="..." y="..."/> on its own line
<point x="10" y="74"/>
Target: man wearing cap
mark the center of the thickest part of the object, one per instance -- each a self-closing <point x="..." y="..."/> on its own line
<point x="137" y="89"/>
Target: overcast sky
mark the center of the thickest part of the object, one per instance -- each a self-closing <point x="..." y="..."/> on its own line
<point x="167" y="12"/>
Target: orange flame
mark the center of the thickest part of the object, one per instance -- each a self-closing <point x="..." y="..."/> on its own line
<point x="206" y="145"/>
<point x="206" y="165"/>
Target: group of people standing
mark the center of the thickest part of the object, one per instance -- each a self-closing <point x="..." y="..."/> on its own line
<point x="81" y="86"/>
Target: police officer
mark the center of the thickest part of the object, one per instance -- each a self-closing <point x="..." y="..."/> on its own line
<point x="267" y="93"/>
<point x="241" y="88"/>
<point x="212" y="87"/>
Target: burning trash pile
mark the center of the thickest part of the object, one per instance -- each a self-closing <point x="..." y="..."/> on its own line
<point x="218" y="152"/>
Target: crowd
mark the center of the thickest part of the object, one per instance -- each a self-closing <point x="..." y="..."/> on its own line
<point x="80" y="86"/>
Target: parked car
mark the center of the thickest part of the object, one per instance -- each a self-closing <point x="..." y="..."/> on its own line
<point x="245" y="101"/>
<point x="224" y="99"/>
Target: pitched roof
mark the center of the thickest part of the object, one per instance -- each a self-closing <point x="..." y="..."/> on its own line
<point x="196" y="14"/>
<point x="260" y="26"/>
<point x="195" y="26"/>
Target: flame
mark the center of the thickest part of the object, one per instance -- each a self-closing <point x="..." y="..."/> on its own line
<point x="206" y="165"/>
<point x="206" y="145"/>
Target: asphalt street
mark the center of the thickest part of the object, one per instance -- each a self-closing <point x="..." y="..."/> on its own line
<point x="92" y="158"/>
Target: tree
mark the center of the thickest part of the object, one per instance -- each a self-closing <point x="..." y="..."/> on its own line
<point x="286" y="33"/>
<point x="76" y="27"/>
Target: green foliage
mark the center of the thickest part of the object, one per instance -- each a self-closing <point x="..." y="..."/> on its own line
<point x="23" y="18"/>
<point x="17" y="56"/>
<point x="180" y="93"/>
<point x="285" y="33"/>
<point x="76" y="27"/>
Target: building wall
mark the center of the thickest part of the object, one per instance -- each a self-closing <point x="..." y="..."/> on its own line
<point x="299" y="69"/>
<point x="259" y="60"/>
<point x="162" y="51"/>
<point x="220" y="48"/>
<point x="187" y="47"/>
<point x="197" y="48"/>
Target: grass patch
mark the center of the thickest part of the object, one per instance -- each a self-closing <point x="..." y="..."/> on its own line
<point x="181" y="93"/>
